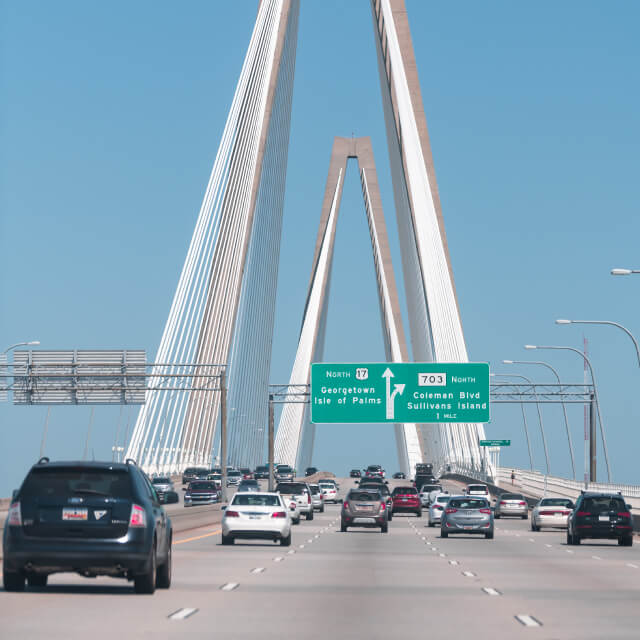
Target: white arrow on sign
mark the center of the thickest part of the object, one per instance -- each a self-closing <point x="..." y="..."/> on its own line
<point x="398" y="389"/>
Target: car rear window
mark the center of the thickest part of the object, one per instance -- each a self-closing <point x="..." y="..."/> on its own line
<point x="364" y="496"/>
<point x="262" y="468"/>
<point x="315" y="489"/>
<point x="442" y="499"/>
<point x="285" y="469"/>
<point x="202" y="486"/>
<point x="556" y="502"/>
<point x="256" y="500"/>
<point x="161" y="481"/>
<point x="405" y="491"/>
<point x="468" y="503"/>
<point x="62" y="481"/>
<point x="293" y="488"/>
<point x="512" y="496"/>
<point x="477" y="487"/>
<point x="603" y="503"/>
<point x="428" y="488"/>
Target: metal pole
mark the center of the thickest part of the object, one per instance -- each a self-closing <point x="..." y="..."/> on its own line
<point x="44" y="432"/>
<point x="86" y="443"/>
<point x="592" y="439"/>
<point x="526" y="433"/>
<point x="271" y="438"/>
<point x="223" y="433"/>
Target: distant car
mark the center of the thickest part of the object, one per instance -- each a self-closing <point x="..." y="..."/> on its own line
<point x="374" y="470"/>
<point x="309" y="471"/>
<point x="298" y="492"/>
<point x="248" y="485"/>
<point x="201" y="492"/>
<point x="91" y="518"/>
<point x="191" y="473"/>
<point x="406" y="500"/>
<point x="467" y="514"/>
<point x="426" y="491"/>
<point x="399" y="475"/>
<point x="257" y="516"/>
<point x="511" y="504"/>
<point x="261" y="472"/>
<point x="423" y="478"/>
<point x="329" y="490"/>
<point x="382" y="487"/>
<point x="479" y="490"/>
<point x="317" y="498"/>
<point x="364" y="507"/>
<point x="233" y="478"/>
<point x="247" y="474"/>
<point x="551" y="512"/>
<point x="600" y="516"/>
<point x="165" y="490"/>
<point x="436" y="509"/>
<point x="355" y="473"/>
<point x="284" y="473"/>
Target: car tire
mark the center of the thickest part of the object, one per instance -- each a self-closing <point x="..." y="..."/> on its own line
<point x="496" y="516"/>
<point x="37" y="580"/>
<point x="227" y="539"/>
<point x="444" y="534"/>
<point x="384" y="528"/>
<point x="627" y="541"/>
<point x="322" y="509"/>
<point x="489" y="535"/>
<point x="525" y="516"/>
<point x="343" y="527"/>
<point x="432" y="524"/>
<point x="419" y="513"/>
<point x="286" y="540"/>
<point x="145" y="583"/>
<point x="296" y="521"/>
<point x="309" y="515"/>
<point x="163" y="578"/>
<point x="12" y="581"/>
<point x="390" y="516"/>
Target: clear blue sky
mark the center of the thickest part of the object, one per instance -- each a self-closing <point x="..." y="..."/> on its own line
<point x="111" y="115"/>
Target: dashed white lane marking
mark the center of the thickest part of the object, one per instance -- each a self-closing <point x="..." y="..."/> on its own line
<point x="596" y="557"/>
<point x="568" y="550"/>
<point x="230" y="586"/>
<point x="531" y="540"/>
<point x="442" y="555"/>
<point x="455" y="563"/>
<point x="310" y="541"/>
<point x="301" y="546"/>
<point x="527" y="620"/>
<point x="291" y="552"/>
<point x="181" y="614"/>
<point x="316" y="536"/>
<point x="490" y="591"/>
<point x="278" y="559"/>
<point x="633" y="566"/>
<point x="548" y="546"/>
<point x="257" y="570"/>
<point x="468" y="574"/>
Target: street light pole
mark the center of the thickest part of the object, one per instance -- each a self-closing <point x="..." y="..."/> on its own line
<point x="624" y="272"/>
<point x="524" y="419"/>
<point x="564" y="408"/>
<point x="595" y="393"/>
<point x="609" y="322"/>
<point x="34" y="343"/>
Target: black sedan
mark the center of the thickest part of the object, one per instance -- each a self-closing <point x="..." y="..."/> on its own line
<point x="399" y="476"/>
<point x="355" y="473"/>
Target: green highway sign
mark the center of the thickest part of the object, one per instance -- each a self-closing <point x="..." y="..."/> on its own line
<point x="495" y="443"/>
<point x="400" y="392"/>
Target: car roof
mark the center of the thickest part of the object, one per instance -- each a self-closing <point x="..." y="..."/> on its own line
<point x="122" y="466"/>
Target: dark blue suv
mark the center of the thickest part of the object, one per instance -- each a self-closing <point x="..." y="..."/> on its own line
<point x="600" y="515"/>
<point x="91" y="518"/>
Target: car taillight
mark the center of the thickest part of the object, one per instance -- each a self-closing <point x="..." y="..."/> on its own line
<point x="308" y="498"/>
<point x="231" y="514"/>
<point x="14" y="517"/>
<point x="624" y="514"/>
<point x="437" y="507"/>
<point x="485" y="510"/>
<point x="382" y="506"/>
<point x="345" y="504"/>
<point x="583" y="513"/>
<point x="502" y="502"/>
<point x="278" y="514"/>
<point x="451" y="510"/>
<point x="138" y="516"/>
<point x="321" y="496"/>
<point x="522" y="503"/>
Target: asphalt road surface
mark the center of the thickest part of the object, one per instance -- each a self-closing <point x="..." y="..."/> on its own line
<point x="360" y="584"/>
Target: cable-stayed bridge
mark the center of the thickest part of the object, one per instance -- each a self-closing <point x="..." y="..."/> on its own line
<point x="223" y="309"/>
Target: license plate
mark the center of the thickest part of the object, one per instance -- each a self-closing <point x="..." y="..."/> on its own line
<point x="467" y="527"/>
<point x="70" y="513"/>
<point x="255" y="517"/>
<point x="603" y="518"/>
<point x="404" y="499"/>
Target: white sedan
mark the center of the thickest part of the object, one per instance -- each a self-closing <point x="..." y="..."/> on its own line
<point x="329" y="491"/>
<point x="551" y="512"/>
<point x="262" y="516"/>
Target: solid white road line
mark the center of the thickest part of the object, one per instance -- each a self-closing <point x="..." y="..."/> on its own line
<point x="230" y="586"/>
<point x="527" y="620"/>
<point x="490" y="591"/>
<point x="257" y="570"/>
<point x="181" y="614"/>
<point x="468" y="574"/>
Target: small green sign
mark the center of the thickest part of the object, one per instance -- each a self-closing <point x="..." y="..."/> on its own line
<point x="400" y="392"/>
<point x="495" y="443"/>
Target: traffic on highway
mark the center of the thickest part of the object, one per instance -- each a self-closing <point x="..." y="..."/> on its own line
<point x="77" y="531"/>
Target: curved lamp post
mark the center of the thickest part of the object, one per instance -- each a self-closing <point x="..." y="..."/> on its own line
<point x="34" y="343"/>
<point x="624" y="272"/>
<point x="595" y="393"/>
<point x="564" y="408"/>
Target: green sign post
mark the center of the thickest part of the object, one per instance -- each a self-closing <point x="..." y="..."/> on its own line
<point x="495" y="443"/>
<point x="400" y="392"/>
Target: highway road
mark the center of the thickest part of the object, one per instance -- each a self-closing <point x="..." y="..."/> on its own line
<point x="359" y="584"/>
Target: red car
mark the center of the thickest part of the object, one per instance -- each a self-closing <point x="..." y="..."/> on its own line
<point x="406" y="500"/>
<point x="247" y="474"/>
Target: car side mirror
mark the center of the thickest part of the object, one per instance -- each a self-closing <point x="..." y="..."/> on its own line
<point x="629" y="507"/>
<point x="386" y="482"/>
<point x="14" y="494"/>
<point x="184" y="488"/>
<point x="357" y="481"/>
<point x="223" y="508"/>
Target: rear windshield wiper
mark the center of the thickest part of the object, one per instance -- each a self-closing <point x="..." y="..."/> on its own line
<point x="92" y="492"/>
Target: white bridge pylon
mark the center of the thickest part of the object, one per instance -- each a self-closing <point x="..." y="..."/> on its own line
<point x="295" y="435"/>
